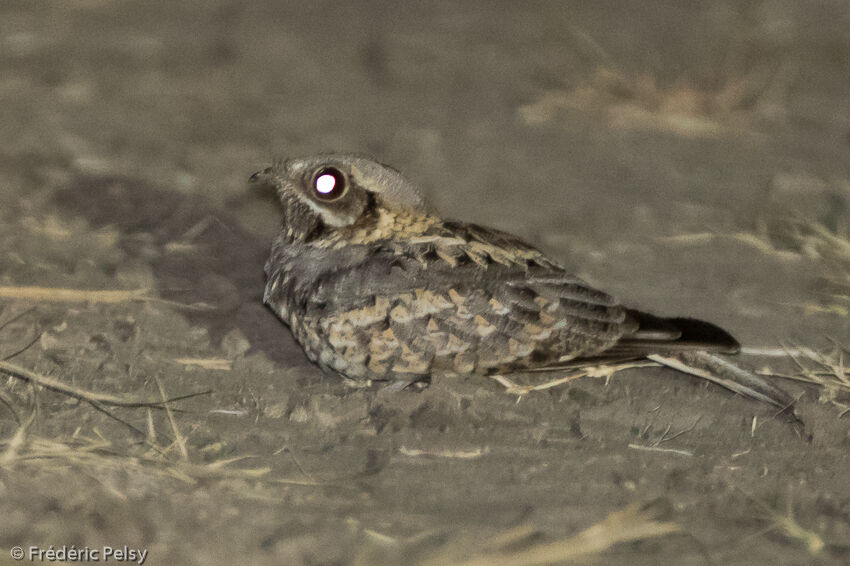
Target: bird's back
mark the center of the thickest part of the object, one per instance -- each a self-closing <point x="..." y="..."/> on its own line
<point x="456" y="297"/>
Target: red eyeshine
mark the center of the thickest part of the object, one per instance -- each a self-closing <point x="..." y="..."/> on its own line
<point x="329" y="183"/>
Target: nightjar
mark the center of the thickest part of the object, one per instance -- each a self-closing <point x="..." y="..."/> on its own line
<point x="376" y="286"/>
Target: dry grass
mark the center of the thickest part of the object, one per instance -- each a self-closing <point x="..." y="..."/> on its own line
<point x="218" y="364"/>
<point x="681" y="108"/>
<point x="63" y="295"/>
<point x="811" y="218"/>
<point x="790" y="235"/>
<point x="36" y="294"/>
<point x="826" y="370"/>
<point x="832" y="249"/>
<point x="92" y="397"/>
<point x="450" y="454"/>
<point x="735" y="102"/>
<point x="604" y="371"/>
<point x="95" y="456"/>
<point x="655" y="445"/>
<point x="759" y="242"/>
<point x="785" y="523"/>
<point x="99" y="458"/>
<point x="519" y="546"/>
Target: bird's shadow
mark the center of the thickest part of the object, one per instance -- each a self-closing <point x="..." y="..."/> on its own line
<point x="200" y="255"/>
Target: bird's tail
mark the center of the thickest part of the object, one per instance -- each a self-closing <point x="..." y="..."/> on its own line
<point x="713" y="368"/>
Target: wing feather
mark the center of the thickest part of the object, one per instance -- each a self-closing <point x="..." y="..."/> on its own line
<point x="482" y="301"/>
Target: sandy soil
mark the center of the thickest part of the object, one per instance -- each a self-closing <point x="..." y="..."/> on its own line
<point x="660" y="151"/>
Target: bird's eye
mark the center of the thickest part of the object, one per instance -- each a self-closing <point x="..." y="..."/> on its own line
<point x="329" y="183"/>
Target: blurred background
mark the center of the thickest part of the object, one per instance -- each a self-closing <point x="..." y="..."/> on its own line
<point x="559" y="121"/>
<point x="603" y="115"/>
<point x="689" y="157"/>
<point x="555" y="120"/>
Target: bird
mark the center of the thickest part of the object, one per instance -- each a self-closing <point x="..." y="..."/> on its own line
<point x="376" y="286"/>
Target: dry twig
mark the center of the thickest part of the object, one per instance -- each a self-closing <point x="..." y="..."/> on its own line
<point x="63" y="295"/>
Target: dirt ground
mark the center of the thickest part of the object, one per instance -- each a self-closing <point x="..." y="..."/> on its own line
<point x="692" y="159"/>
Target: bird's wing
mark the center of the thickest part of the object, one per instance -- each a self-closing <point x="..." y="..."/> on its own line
<point x="588" y="322"/>
<point x="510" y="306"/>
<point x="466" y="300"/>
<point x="469" y="299"/>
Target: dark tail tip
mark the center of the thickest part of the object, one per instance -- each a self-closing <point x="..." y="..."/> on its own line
<point x="702" y="332"/>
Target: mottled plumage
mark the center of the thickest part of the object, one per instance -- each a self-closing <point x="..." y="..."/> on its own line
<point x="376" y="286"/>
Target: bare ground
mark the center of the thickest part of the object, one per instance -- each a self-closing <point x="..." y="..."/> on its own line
<point x="693" y="161"/>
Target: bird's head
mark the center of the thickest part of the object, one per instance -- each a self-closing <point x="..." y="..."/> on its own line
<point x="337" y="191"/>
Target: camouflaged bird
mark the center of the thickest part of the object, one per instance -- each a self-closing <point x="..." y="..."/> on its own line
<point x="376" y="286"/>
